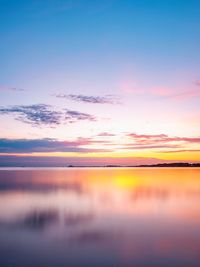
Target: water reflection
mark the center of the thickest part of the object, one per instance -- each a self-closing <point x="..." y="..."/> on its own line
<point x="100" y="217"/>
<point x="78" y="218"/>
<point x="38" y="220"/>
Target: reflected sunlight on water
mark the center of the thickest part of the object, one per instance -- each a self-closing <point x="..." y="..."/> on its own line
<point x="100" y="217"/>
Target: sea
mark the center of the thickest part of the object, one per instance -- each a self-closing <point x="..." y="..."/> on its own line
<point x="100" y="217"/>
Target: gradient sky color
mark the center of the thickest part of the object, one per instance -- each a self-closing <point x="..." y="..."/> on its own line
<point x="107" y="81"/>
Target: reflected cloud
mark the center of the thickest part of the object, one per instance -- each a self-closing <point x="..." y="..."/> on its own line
<point x="17" y="181"/>
<point x="35" y="220"/>
<point x="42" y="188"/>
<point x="39" y="219"/>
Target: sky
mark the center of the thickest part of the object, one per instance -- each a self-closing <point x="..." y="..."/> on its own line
<point x="99" y="82"/>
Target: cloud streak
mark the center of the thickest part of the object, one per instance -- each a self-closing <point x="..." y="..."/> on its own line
<point x="106" y="134"/>
<point x="161" y="141"/>
<point x="180" y="95"/>
<point x="16" y="89"/>
<point x="139" y="147"/>
<point x="108" y="99"/>
<point x="181" y="151"/>
<point x="10" y="146"/>
<point x="73" y="116"/>
<point x="92" y="144"/>
<point x="146" y="139"/>
<point x="44" y="115"/>
<point x="163" y="92"/>
<point x="186" y="94"/>
<point x="35" y="115"/>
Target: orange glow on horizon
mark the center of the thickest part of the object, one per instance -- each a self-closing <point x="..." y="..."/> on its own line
<point x="180" y="156"/>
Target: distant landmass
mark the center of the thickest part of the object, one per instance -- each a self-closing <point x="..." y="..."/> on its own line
<point x="160" y="165"/>
<point x="157" y="165"/>
<point x="176" y="164"/>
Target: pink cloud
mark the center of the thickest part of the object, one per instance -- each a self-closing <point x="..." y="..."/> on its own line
<point x="149" y="139"/>
<point x="186" y="94"/>
<point x="161" y="91"/>
<point x="197" y="83"/>
<point x="180" y="95"/>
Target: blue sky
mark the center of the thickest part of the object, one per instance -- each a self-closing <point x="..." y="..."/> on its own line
<point x="100" y="36"/>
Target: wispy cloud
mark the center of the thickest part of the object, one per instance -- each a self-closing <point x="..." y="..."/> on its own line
<point x="107" y="99"/>
<point x="161" y="138"/>
<point x="17" y="89"/>
<point x="105" y="134"/>
<point x="177" y="94"/>
<point x="44" y="115"/>
<point x="160" y="143"/>
<point x="35" y="115"/>
<point x="180" y="151"/>
<point x="9" y="146"/>
<point x="163" y="92"/>
<point x="7" y="88"/>
<point x="185" y="94"/>
<point x="148" y="141"/>
<point x="73" y="116"/>
<point x="139" y="147"/>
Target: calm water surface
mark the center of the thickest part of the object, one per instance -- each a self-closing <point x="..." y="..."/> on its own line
<point x="100" y="217"/>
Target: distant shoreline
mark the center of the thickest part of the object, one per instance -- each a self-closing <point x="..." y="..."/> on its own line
<point x="160" y="165"/>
